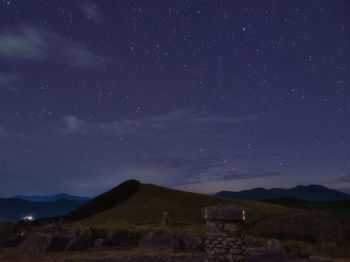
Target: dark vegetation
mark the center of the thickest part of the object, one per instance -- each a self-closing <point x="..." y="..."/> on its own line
<point x="339" y="208"/>
<point x="323" y="225"/>
<point x="6" y="229"/>
<point x="104" y="201"/>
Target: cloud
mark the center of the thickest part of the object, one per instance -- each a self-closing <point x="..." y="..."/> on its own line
<point x="176" y="122"/>
<point x="193" y="170"/>
<point x="345" y="178"/>
<point x="72" y="124"/>
<point x="36" y="45"/>
<point x="91" y="11"/>
<point x="345" y="158"/>
<point x="3" y="133"/>
<point x="28" y="44"/>
<point x="235" y="175"/>
<point x="8" y="81"/>
<point x="177" y="148"/>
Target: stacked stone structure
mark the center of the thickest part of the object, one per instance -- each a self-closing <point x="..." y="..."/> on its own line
<point x="225" y="233"/>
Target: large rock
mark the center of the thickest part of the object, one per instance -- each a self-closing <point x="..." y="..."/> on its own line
<point x="111" y="238"/>
<point x="60" y="242"/>
<point x="58" y="238"/>
<point x="83" y="239"/>
<point x="188" y="240"/>
<point x="86" y="234"/>
<point x="13" y="240"/>
<point x="175" y="240"/>
<point x="160" y="241"/>
<point x="77" y="244"/>
<point x="61" y="236"/>
<point x="274" y="248"/>
<point x="99" y="242"/>
<point x="54" y="229"/>
<point x="293" y="250"/>
<point x="128" y="240"/>
<point x="36" y="242"/>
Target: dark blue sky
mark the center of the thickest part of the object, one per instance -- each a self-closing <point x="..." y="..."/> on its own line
<point x="196" y="95"/>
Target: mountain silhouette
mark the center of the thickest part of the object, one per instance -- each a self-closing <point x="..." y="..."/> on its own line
<point x="13" y="209"/>
<point x="52" y="198"/>
<point x="311" y="193"/>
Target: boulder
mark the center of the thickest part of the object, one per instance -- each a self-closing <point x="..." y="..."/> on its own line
<point x="60" y="242"/>
<point x="58" y="238"/>
<point x="160" y="241"/>
<point x="54" y="229"/>
<point x="274" y="248"/>
<point x="77" y="244"/>
<point x="295" y="251"/>
<point x="99" y="242"/>
<point x="128" y="240"/>
<point x="188" y="240"/>
<point x="13" y="240"/>
<point x="36" y="242"/>
<point x="111" y="238"/>
<point x="86" y="234"/>
<point x="62" y="236"/>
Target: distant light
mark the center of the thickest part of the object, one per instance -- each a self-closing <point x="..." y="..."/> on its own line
<point x="28" y="218"/>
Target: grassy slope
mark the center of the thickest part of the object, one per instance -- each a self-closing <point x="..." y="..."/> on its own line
<point x="146" y="206"/>
<point x="104" y="201"/>
<point x="339" y="208"/>
<point x="325" y="226"/>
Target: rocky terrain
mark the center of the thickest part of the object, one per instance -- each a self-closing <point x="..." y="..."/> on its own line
<point x="55" y="243"/>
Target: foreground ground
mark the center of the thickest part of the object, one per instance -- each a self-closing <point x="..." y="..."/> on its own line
<point x="124" y="255"/>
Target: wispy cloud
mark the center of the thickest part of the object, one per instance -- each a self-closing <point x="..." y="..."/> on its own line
<point x="345" y="178"/>
<point x="91" y="11"/>
<point x="173" y="122"/>
<point x="72" y="124"/>
<point x="34" y="45"/>
<point x="195" y="170"/>
<point x="149" y="148"/>
<point x="174" y="149"/>
<point x="9" y="81"/>
<point x="3" y="133"/>
<point x="345" y="158"/>
<point x="27" y="44"/>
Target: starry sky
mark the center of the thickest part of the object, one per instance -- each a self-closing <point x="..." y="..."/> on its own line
<point x="194" y="95"/>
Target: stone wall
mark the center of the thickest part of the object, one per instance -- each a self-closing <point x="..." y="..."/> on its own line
<point x="225" y="238"/>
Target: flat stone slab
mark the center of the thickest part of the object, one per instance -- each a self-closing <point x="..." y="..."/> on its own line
<point x="225" y="213"/>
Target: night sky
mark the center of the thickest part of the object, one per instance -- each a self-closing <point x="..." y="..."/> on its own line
<point x="195" y="95"/>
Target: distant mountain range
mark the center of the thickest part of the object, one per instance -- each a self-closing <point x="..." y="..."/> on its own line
<point x="52" y="198"/>
<point x="13" y="209"/>
<point x="310" y="193"/>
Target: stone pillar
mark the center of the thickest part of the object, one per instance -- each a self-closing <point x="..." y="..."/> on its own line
<point x="225" y="233"/>
<point x="166" y="221"/>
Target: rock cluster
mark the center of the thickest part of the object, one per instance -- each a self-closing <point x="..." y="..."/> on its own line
<point x="225" y="241"/>
<point x="13" y="240"/>
<point x="57" y="238"/>
<point x="174" y="240"/>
